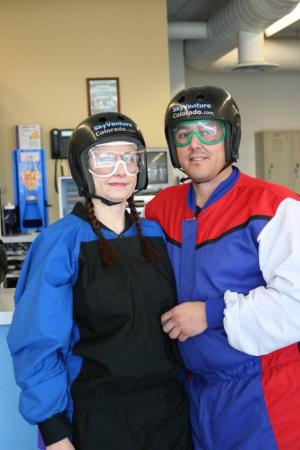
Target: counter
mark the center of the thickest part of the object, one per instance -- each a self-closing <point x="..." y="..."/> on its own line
<point x="6" y="306"/>
<point x="15" y="433"/>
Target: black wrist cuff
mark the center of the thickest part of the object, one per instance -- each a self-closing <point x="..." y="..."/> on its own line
<point x="55" y="429"/>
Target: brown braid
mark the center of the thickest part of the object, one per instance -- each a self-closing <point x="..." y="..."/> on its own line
<point x="148" y="251"/>
<point x="106" y="251"/>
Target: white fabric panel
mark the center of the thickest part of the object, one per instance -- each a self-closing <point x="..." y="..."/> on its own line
<point x="268" y="318"/>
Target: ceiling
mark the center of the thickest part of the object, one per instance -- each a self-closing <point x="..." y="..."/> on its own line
<point x="211" y="12"/>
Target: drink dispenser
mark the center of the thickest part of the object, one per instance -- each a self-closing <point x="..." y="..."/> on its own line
<point x="30" y="189"/>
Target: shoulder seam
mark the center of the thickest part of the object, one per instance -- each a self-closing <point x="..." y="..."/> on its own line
<point x="232" y="230"/>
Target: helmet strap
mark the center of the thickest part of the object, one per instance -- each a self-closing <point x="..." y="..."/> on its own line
<point x="183" y="179"/>
<point x="105" y="201"/>
<point x="227" y="164"/>
<point x="109" y="202"/>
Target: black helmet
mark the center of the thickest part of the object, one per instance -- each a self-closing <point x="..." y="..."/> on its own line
<point x="205" y="102"/>
<point x="99" y="129"/>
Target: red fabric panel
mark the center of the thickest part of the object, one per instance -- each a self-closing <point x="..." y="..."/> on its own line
<point x="249" y="197"/>
<point x="281" y="387"/>
<point x="169" y="208"/>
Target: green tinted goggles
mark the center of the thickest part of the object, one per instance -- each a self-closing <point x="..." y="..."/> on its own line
<point x="208" y="132"/>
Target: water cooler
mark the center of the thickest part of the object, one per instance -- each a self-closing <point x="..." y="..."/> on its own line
<point x="30" y="189"/>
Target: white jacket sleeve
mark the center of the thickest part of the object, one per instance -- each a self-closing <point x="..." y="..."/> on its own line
<point x="268" y="318"/>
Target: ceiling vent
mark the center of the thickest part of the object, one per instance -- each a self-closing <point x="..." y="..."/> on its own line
<point x="253" y="67"/>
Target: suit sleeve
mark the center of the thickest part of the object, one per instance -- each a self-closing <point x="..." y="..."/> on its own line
<point x="150" y="210"/>
<point x="40" y="335"/>
<point x="268" y="317"/>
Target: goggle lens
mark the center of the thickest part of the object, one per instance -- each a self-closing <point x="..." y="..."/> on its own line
<point x="208" y="132"/>
<point x="104" y="162"/>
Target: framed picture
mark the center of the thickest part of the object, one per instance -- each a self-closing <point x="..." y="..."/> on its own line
<point x="103" y="95"/>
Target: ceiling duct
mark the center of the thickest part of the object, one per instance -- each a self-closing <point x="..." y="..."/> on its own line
<point x="187" y="30"/>
<point x="251" y="53"/>
<point x="223" y="28"/>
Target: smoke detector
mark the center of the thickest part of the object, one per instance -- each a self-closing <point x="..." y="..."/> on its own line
<point x="251" y="54"/>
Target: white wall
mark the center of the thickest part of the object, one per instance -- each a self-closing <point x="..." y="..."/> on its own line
<point x="266" y="101"/>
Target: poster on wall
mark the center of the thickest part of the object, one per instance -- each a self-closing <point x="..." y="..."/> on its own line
<point x="29" y="137"/>
<point x="103" y="95"/>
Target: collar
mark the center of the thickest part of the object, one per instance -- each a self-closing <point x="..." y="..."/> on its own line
<point x="80" y="211"/>
<point x="219" y="192"/>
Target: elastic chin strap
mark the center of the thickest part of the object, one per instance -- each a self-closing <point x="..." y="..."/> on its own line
<point x="225" y="167"/>
<point x="105" y="201"/>
<point x="109" y="202"/>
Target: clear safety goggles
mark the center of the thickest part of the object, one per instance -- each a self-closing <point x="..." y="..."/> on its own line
<point x="104" y="161"/>
<point x="208" y="132"/>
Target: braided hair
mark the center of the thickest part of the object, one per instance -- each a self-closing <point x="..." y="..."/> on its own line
<point x="106" y="251"/>
<point x="148" y="251"/>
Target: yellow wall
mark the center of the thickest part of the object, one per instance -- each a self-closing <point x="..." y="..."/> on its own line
<point x="49" y="48"/>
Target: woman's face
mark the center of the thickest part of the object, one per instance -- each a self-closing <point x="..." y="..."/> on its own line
<point x="114" y="167"/>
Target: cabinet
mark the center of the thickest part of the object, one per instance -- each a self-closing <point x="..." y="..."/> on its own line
<point x="16" y="248"/>
<point x="278" y="157"/>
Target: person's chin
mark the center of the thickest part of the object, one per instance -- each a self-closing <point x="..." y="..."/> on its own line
<point x="195" y="172"/>
<point x="119" y="194"/>
<point x="199" y="176"/>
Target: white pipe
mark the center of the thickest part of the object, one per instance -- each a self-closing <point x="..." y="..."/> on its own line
<point x="251" y="46"/>
<point x="176" y="59"/>
<point x="187" y="30"/>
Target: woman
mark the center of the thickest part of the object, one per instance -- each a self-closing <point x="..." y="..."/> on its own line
<point x="95" y="369"/>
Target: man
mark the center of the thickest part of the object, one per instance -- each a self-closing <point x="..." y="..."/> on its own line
<point x="234" y="243"/>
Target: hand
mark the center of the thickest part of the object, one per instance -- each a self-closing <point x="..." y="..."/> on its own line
<point x="185" y="320"/>
<point x="64" y="444"/>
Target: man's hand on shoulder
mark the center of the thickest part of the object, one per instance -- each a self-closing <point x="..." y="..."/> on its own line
<point x="185" y="320"/>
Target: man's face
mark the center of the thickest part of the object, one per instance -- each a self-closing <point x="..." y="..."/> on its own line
<point x="200" y="148"/>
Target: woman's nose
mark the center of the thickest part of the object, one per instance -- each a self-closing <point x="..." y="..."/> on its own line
<point x="120" y="169"/>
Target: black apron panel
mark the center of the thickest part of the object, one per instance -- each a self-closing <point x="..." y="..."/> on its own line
<point x="117" y="310"/>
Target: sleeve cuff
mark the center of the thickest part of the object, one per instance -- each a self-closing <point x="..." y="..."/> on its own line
<point x="215" y="312"/>
<point x="55" y="429"/>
